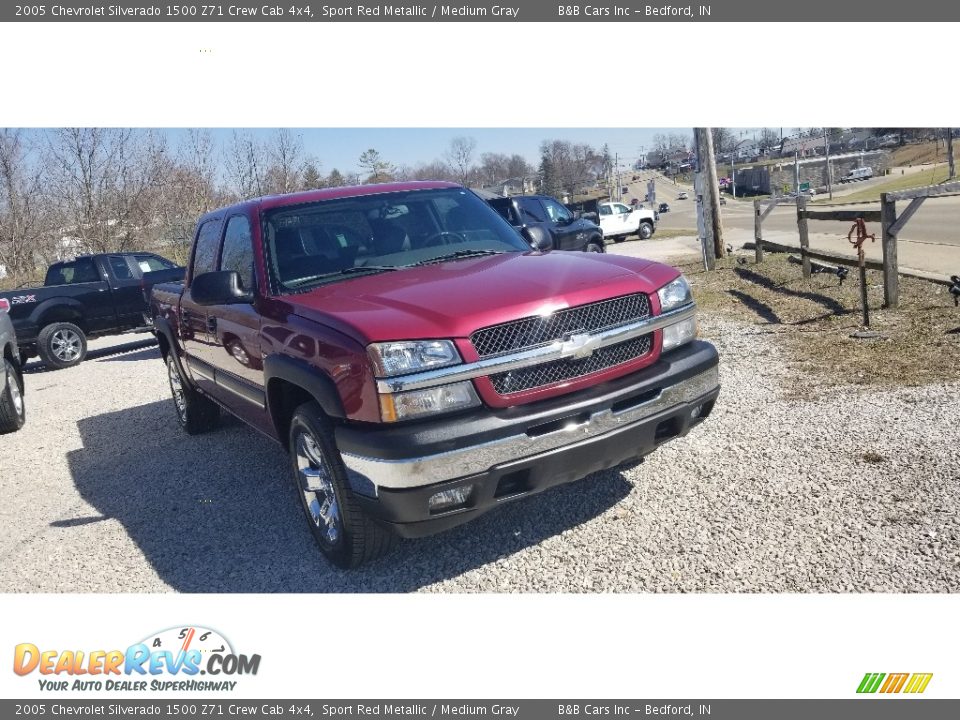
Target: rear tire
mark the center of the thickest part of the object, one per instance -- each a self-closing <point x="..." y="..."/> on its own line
<point x="196" y="413"/>
<point x="619" y="238"/>
<point x="13" y="410"/>
<point x="61" y="345"/>
<point x="347" y="536"/>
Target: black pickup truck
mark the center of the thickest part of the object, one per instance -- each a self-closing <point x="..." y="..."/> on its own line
<point x="568" y="230"/>
<point x="87" y="297"/>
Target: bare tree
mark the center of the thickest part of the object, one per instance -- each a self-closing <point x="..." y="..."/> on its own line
<point x="189" y="190"/>
<point x="436" y="170"/>
<point x="460" y="156"/>
<point x="567" y="166"/>
<point x="246" y="166"/>
<point x="724" y="140"/>
<point x="286" y="160"/>
<point x="105" y="183"/>
<point x="24" y="218"/>
<point x="769" y="139"/>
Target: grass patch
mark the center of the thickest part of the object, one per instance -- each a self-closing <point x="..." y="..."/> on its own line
<point x="933" y="176"/>
<point x="816" y="317"/>
<point x="919" y="153"/>
<point x="666" y="233"/>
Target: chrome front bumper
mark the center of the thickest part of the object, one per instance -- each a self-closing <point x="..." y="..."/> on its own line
<point x="370" y="473"/>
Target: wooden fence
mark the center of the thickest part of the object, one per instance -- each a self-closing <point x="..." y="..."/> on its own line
<point x="891" y="225"/>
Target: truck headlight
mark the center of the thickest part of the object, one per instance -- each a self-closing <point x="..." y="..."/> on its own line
<point x="400" y="358"/>
<point x="675" y="294"/>
<point x="431" y="401"/>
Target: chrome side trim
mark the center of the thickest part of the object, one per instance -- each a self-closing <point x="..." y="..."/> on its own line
<point x="462" y="462"/>
<point x="557" y="350"/>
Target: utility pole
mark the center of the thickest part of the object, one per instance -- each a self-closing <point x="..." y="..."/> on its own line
<point x="796" y="172"/>
<point x="708" y="197"/>
<point x="826" y="154"/>
<point x="711" y="190"/>
<point x="951" y="163"/>
<point x="704" y="226"/>
<point x="616" y="164"/>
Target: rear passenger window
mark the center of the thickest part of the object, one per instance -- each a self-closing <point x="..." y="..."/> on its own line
<point x="237" y="252"/>
<point x="205" y="252"/>
<point x="120" y="269"/>
<point x="80" y="270"/>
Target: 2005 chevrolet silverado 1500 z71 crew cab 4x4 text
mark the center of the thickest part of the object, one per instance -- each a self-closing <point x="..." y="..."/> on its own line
<point x="421" y="375"/>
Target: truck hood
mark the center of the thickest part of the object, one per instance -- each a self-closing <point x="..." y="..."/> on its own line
<point x="455" y="298"/>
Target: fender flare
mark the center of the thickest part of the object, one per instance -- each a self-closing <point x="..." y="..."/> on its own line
<point x="36" y="316"/>
<point x="308" y="377"/>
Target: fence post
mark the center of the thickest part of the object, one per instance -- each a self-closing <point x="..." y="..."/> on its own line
<point x="891" y="280"/>
<point x="804" y="234"/>
<point x="758" y="231"/>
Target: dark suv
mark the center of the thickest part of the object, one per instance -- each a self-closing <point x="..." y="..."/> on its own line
<point x="568" y="231"/>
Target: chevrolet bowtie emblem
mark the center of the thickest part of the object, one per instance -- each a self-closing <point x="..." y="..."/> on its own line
<point x="580" y="346"/>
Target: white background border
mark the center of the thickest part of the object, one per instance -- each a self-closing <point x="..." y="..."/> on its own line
<point x="453" y="75"/>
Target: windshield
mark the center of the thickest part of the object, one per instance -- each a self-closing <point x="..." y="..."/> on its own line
<point x="334" y="240"/>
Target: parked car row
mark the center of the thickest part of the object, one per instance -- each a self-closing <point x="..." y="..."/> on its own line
<point x="423" y="355"/>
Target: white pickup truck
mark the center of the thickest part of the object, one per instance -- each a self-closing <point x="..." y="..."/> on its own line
<point x="618" y="221"/>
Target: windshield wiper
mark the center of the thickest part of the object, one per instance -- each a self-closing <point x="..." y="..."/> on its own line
<point x="459" y="254"/>
<point x="340" y="273"/>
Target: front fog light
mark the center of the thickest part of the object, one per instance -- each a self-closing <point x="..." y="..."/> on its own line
<point x="450" y="499"/>
<point x="679" y="333"/>
<point x="417" y="403"/>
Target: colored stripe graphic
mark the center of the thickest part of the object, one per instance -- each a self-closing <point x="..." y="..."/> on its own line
<point x="894" y="683"/>
<point x="918" y="683"/>
<point x="870" y="682"/>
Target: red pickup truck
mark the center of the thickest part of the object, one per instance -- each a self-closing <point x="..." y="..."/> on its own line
<point x="422" y="360"/>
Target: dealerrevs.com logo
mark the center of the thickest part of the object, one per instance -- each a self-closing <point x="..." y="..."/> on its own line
<point x="172" y="659"/>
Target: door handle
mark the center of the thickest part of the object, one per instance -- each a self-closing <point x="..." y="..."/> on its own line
<point x="211" y="325"/>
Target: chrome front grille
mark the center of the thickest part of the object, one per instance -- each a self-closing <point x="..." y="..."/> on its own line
<point x="531" y="332"/>
<point x="569" y="369"/>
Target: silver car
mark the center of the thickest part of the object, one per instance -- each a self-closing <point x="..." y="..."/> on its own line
<point x="13" y="411"/>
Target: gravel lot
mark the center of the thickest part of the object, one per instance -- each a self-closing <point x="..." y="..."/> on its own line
<point x="850" y="490"/>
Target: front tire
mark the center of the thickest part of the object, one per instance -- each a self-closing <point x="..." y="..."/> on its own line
<point x="646" y="231"/>
<point x="13" y="410"/>
<point x="62" y="345"/>
<point x="346" y="535"/>
<point x="196" y="413"/>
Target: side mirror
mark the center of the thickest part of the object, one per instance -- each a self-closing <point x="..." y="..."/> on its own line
<point x="219" y="288"/>
<point x="538" y="238"/>
<point x="577" y="215"/>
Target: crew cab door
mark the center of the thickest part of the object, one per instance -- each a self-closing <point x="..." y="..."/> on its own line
<point x="128" y="299"/>
<point x="234" y="330"/>
<point x="195" y="331"/>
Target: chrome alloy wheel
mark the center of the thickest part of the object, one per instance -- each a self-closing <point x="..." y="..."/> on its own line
<point x="14" y="387"/>
<point x="319" y="496"/>
<point x="176" y="389"/>
<point x="65" y="345"/>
